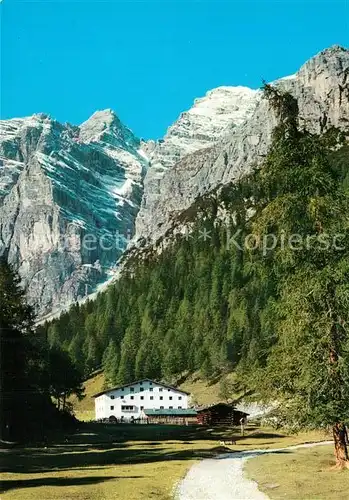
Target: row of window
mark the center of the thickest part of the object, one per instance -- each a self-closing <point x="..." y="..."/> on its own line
<point x="150" y="397"/>
<point x="132" y="389"/>
<point x="130" y="408"/>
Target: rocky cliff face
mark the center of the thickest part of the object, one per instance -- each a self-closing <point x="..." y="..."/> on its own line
<point x="321" y="88"/>
<point x="68" y="200"/>
<point x="212" y="117"/>
<point x="69" y="196"/>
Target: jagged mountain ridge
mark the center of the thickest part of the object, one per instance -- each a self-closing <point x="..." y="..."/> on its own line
<point x="59" y="183"/>
<point x="210" y="118"/>
<point x="321" y="88"/>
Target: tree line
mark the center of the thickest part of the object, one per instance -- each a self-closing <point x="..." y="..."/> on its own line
<point x="35" y="379"/>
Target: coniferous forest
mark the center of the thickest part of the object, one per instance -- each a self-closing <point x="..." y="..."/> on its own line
<point x="259" y="286"/>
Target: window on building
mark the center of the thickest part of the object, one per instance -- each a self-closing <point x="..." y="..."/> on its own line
<point x="168" y="390"/>
<point x="127" y="407"/>
<point x="179" y="407"/>
<point x="123" y="389"/>
<point x="140" y="383"/>
<point x="161" y="398"/>
<point x="142" y="407"/>
<point x="170" y="397"/>
<point x="171" y="407"/>
<point x="112" y="397"/>
<point x="160" y="389"/>
<point x="150" y="383"/>
<point x="161" y="407"/>
<point x="151" y="397"/>
<point x="142" y="397"/>
<point x="132" y="389"/>
<point x="132" y="397"/>
<point x="112" y="407"/>
<point x="179" y="397"/>
<point x="151" y="389"/>
<point x="141" y="389"/>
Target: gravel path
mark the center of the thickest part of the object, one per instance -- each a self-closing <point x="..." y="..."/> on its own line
<point x="222" y="478"/>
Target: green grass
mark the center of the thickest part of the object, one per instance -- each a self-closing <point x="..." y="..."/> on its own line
<point x="205" y="392"/>
<point x="84" y="410"/>
<point x="303" y="474"/>
<point x="123" y="462"/>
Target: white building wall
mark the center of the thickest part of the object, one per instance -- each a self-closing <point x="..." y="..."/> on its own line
<point x="139" y="396"/>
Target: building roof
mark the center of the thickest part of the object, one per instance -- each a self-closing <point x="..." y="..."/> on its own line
<point x="219" y="404"/>
<point x="137" y="382"/>
<point x="178" y="412"/>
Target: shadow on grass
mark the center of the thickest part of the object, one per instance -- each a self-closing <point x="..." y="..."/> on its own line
<point x="40" y="462"/>
<point x="263" y="435"/>
<point x="57" y="481"/>
<point x="102" y="445"/>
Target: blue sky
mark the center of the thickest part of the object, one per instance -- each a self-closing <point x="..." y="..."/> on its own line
<point x="148" y="60"/>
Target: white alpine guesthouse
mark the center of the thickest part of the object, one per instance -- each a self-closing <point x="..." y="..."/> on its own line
<point x="129" y="402"/>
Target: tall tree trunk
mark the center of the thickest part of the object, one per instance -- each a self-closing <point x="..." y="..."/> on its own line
<point x="340" y="445"/>
<point x="340" y="436"/>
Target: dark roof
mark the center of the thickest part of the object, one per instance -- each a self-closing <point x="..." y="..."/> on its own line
<point x="137" y="382"/>
<point x="216" y="405"/>
<point x="178" y="412"/>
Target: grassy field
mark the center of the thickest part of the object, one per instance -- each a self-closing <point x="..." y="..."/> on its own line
<point x="105" y="462"/>
<point x="300" y="475"/>
<point x="85" y="409"/>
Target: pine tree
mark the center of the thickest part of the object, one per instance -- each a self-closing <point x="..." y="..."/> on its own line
<point x="110" y="364"/>
<point x="308" y="368"/>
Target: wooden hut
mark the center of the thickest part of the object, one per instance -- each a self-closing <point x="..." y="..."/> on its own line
<point x="219" y="414"/>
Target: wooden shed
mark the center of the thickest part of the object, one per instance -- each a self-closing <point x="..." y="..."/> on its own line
<point x="179" y="416"/>
<point x="219" y="414"/>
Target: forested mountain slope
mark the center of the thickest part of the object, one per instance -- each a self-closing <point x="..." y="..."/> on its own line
<point x="215" y="298"/>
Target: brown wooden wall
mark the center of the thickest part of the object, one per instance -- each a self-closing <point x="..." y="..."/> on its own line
<point x="219" y="415"/>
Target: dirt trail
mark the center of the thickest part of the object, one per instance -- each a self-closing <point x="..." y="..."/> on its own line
<point x="222" y="478"/>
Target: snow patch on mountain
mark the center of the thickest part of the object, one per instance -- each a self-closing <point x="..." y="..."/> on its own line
<point x="58" y="184"/>
<point x="211" y="117"/>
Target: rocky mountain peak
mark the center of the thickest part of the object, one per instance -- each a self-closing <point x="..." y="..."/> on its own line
<point x="321" y="88"/>
<point x="42" y="116"/>
<point x="105" y="126"/>
<point x="332" y="61"/>
<point x="98" y="123"/>
<point x="57" y="186"/>
<point x="210" y="118"/>
<point x="227" y="105"/>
